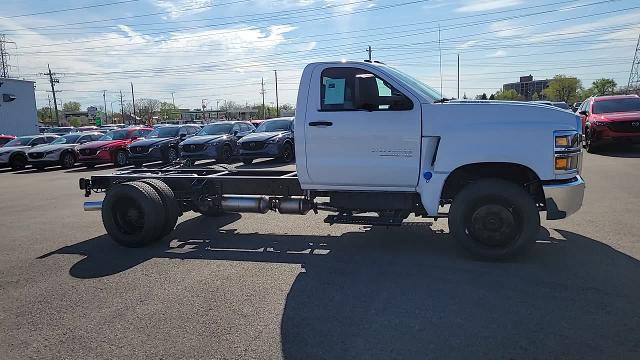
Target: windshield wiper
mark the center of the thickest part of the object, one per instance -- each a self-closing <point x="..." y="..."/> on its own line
<point x="441" y="101"/>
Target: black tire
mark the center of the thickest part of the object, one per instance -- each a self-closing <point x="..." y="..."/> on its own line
<point x="39" y="167"/>
<point x="172" y="211"/>
<point x="137" y="164"/>
<point x="18" y="162"/>
<point x="588" y="142"/>
<point x="132" y="214"/>
<point x="120" y="158"/>
<point x="225" y="154"/>
<point x="171" y="156"/>
<point x="494" y="219"/>
<point x="287" y="153"/>
<point x="90" y="166"/>
<point x="247" y="161"/>
<point x="67" y="160"/>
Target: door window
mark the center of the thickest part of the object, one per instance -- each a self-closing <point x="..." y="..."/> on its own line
<point x="37" y="141"/>
<point x="348" y="89"/>
<point x="236" y="129"/>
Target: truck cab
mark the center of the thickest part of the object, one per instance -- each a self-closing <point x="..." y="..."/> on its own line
<point x="373" y="146"/>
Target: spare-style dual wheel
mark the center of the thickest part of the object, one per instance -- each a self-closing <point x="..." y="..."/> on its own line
<point x="141" y="212"/>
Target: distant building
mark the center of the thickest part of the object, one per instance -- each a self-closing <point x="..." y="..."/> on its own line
<point x="18" y="114"/>
<point x="526" y="87"/>
<point x="81" y="116"/>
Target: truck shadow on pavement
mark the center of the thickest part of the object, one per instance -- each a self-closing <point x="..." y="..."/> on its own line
<point x="408" y="293"/>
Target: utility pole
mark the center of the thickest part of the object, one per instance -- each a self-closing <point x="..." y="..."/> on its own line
<point x="121" y="107"/>
<point x="458" y="76"/>
<point x="4" y="57"/>
<point x="104" y="98"/>
<point x="634" y="76"/>
<point x="277" y="104"/>
<point x="204" y="106"/>
<point x="264" y="109"/>
<point x="440" y="51"/>
<point x="133" y="103"/>
<point x="50" y="111"/>
<point x="369" y="50"/>
<point x="54" y="81"/>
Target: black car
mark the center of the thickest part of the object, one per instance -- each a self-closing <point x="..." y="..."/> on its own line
<point x="272" y="139"/>
<point x="161" y="144"/>
<point x="216" y="141"/>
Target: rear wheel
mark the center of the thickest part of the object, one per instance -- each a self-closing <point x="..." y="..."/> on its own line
<point x="67" y="160"/>
<point x="18" y="162"/>
<point x="172" y="211"/>
<point x="494" y="219"/>
<point x="121" y="158"/>
<point x="132" y="214"/>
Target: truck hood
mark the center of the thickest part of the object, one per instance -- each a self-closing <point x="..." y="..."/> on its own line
<point x="99" y="144"/>
<point x="153" y="141"/>
<point x="262" y="136"/>
<point x="45" y="148"/>
<point x="619" y="116"/>
<point x="202" y="139"/>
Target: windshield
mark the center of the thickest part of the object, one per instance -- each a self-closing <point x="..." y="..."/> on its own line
<point x="164" y="132"/>
<point x="115" y="135"/>
<point x="215" y="129"/>
<point x="616" y="105"/>
<point x="19" y="141"/>
<point x="67" y="139"/>
<point x="274" y="125"/>
<point x="424" y="89"/>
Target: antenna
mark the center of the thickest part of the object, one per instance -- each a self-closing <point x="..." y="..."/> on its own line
<point x="440" y="51"/>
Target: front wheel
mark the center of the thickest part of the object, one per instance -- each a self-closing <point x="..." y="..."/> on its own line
<point x="172" y="155"/>
<point x="588" y="141"/>
<point x="67" y="160"/>
<point x="18" y="162"/>
<point x="121" y="158"/>
<point x="225" y="155"/>
<point x="494" y="219"/>
<point x="287" y="153"/>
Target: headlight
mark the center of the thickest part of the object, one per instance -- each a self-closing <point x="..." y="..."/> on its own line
<point x="275" y="140"/>
<point x="566" y="140"/>
<point x="567" y="162"/>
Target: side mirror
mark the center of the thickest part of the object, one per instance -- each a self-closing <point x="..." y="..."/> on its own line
<point x="584" y="113"/>
<point x="183" y="136"/>
<point x="135" y="137"/>
<point x="235" y="133"/>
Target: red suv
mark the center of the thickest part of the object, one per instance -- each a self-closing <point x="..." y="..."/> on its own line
<point x="610" y="119"/>
<point x="111" y="147"/>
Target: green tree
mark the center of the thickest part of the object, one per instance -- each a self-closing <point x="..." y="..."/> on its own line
<point x="510" y="95"/>
<point x="603" y="87"/>
<point x="74" y="121"/>
<point x="535" y="97"/>
<point x="168" y="111"/>
<point x="563" y="88"/>
<point x="71" y="106"/>
<point x="492" y="97"/>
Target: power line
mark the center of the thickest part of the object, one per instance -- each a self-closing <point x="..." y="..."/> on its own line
<point x="634" y="75"/>
<point x="70" y="9"/>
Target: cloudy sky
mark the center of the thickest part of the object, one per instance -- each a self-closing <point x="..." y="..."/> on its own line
<point x="220" y="49"/>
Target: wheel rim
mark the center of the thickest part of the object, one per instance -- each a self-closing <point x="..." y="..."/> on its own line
<point x="20" y="162"/>
<point x="172" y="155"/>
<point x="287" y="153"/>
<point x="128" y="216"/>
<point x="494" y="224"/>
<point x="68" y="160"/>
<point x="122" y="158"/>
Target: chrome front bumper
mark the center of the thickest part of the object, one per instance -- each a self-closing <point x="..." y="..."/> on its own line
<point x="563" y="200"/>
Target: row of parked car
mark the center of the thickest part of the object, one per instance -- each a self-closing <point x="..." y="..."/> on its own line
<point x="221" y="141"/>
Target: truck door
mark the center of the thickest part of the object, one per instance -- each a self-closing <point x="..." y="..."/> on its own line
<point x="361" y="130"/>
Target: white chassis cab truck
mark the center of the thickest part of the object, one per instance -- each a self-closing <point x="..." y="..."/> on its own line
<point x="374" y="146"/>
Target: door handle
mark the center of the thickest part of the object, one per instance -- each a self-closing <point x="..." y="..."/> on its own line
<point x="320" y="123"/>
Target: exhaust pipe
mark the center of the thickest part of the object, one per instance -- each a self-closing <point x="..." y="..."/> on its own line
<point x="240" y="203"/>
<point x="92" y="205"/>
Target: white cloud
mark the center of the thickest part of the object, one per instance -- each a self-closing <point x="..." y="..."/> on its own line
<point x="486" y="5"/>
<point x="499" y="53"/>
<point x="506" y="28"/>
<point x="178" y="8"/>
<point x="467" y="44"/>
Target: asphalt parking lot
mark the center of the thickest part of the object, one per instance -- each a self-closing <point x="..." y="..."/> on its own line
<point x="270" y="287"/>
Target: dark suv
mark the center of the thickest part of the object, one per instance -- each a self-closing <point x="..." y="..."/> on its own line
<point x="215" y="141"/>
<point x="161" y="144"/>
<point x="272" y="139"/>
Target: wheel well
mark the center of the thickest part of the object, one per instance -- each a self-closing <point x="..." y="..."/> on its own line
<point x="16" y="154"/>
<point x="518" y="174"/>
